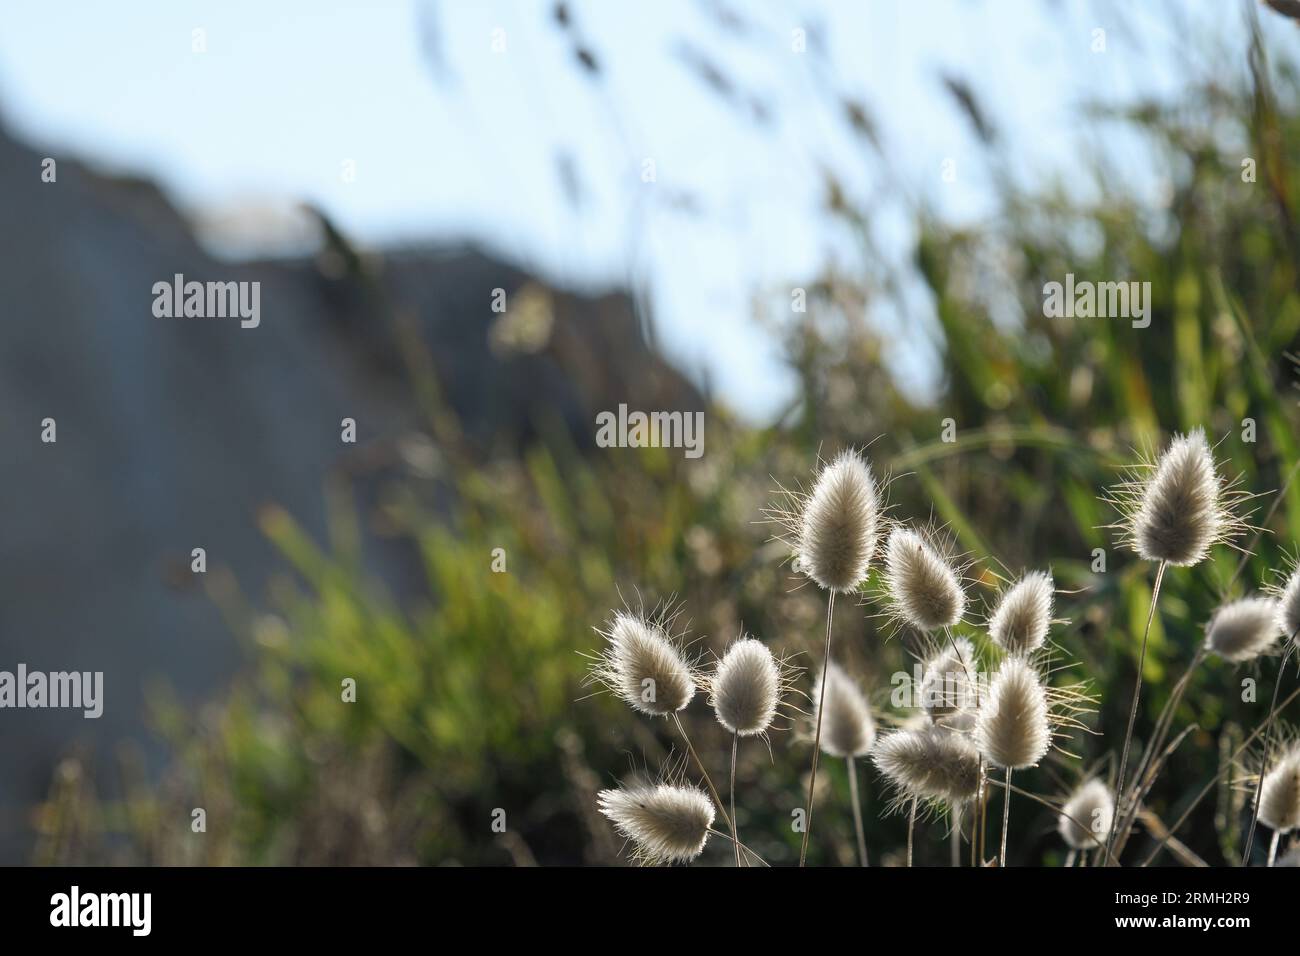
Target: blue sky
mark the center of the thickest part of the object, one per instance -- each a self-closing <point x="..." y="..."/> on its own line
<point x="453" y="140"/>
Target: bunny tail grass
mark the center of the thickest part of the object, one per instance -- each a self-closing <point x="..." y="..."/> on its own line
<point x="666" y="823"/>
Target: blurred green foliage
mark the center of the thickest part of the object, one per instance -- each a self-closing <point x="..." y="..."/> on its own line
<point x="473" y="698"/>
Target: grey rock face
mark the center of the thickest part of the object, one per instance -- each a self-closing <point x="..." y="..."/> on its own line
<point x="172" y="432"/>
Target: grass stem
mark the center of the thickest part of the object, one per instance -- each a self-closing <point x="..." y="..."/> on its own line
<point x="707" y="779"/>
<point x="857" y="811"/>
<point x="1006" y="818"/>
<point x="735" y="743"/>
<point x="1133" y="712"/>
<point x="1268" y="748"/>
<point x="817" y="738"/>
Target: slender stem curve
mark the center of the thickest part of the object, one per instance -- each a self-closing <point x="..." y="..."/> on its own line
<point x="1133" y="712"/>
<point x="817" y="739"/>
<point x="707" y="779"/>
<point x="857" y="811"/>
<point x="1268" y="747"/>
<point x="735" y="743"/>
<point x="954" y="838"/>
<point x="1006" y="818"/>
<point x="1215" y="779"/>
<point x="911" y="825"/>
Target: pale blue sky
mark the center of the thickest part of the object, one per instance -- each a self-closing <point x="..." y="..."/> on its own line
<point x="466" y="149"/>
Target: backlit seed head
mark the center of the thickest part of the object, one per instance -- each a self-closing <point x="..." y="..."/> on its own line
<point x="922" y="588"/>
<point x="848" y="729"/>
<point x="1012" y="728"/>
<point x="666" y="823"/>
<point x="1279" y="800"/>
<point x="1178" y="507"/>
<point x="1023" y="614"/>
<point x="1287" y="595"/>
<point x="1243" y="630"/>
<point x="929" y="763"/>
<point x="834" y="527"/>
<point x="746" y="688"/>
<point x="949" y="682"/>
<point x="643" y="666"/>
<point x="1087" y="815"/>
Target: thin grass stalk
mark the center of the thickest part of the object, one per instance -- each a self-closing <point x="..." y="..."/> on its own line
<point x="1248" y="551"/>
<point x="1166" y="717"/>
<point x="1006" y="819"/>
<point x="1141" y="789"/>
<point x="1215" y="779"/>
<point x="1137" y="696"/>
<point x="974" y="817"/>
<point x="1268" y="747"/>
<point x="1142" y="786"/>
<point x="727" y="836"/>
<point x="1101" y="846"/>
<point x="954" y="838"/>
<point x="911" y="826"/>
<point x="700" y="764"/>
<point x="817" y="739"/>
<point x="735" y="744"/>
<point x="857" y="811"/>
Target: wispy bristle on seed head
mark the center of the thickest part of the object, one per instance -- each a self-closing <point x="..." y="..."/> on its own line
<point x="949" y="681"/>
<point x="1279" y="799"/>
<point x="837" y="523"/>
<point x="1087" y="815"/>
<point x="746" y="688"/>
<point x="1182" y="508"/>
<point x="1242" y="630"/>
<point x="929" y="763"/>
<point x="1023" y="614"/>
<point x="666" y="823"/>
<point x="922" y="588"/>
<point x="1012" y="728"/>
<point x="848" y="729"/>
<point x="643" y="666"/>
<point x="1287" y="595"/>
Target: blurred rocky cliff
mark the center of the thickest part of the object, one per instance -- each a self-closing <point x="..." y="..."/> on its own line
<point x="172" y="433"/>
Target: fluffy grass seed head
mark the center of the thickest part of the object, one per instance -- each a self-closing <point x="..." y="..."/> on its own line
<point x="1279" y="799"/>
<point x="949" y="682"/>
<point x="1087" y="815"/>
<point x="747" y="687"/>
<point x="834" y="527"/>
<point x="848" y="729"/>
<point x="643" y="665"/>
<point x="930" y="763"/>
<point x="922" y="588"/>
<point x="1020" y="621"/>
<point x="1242" y="630"/>
<point x="666" y="823"/>
<point x="1012" y="728"/>
<point x="1178" y="507"/>
<point x="1287" y="595"/>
